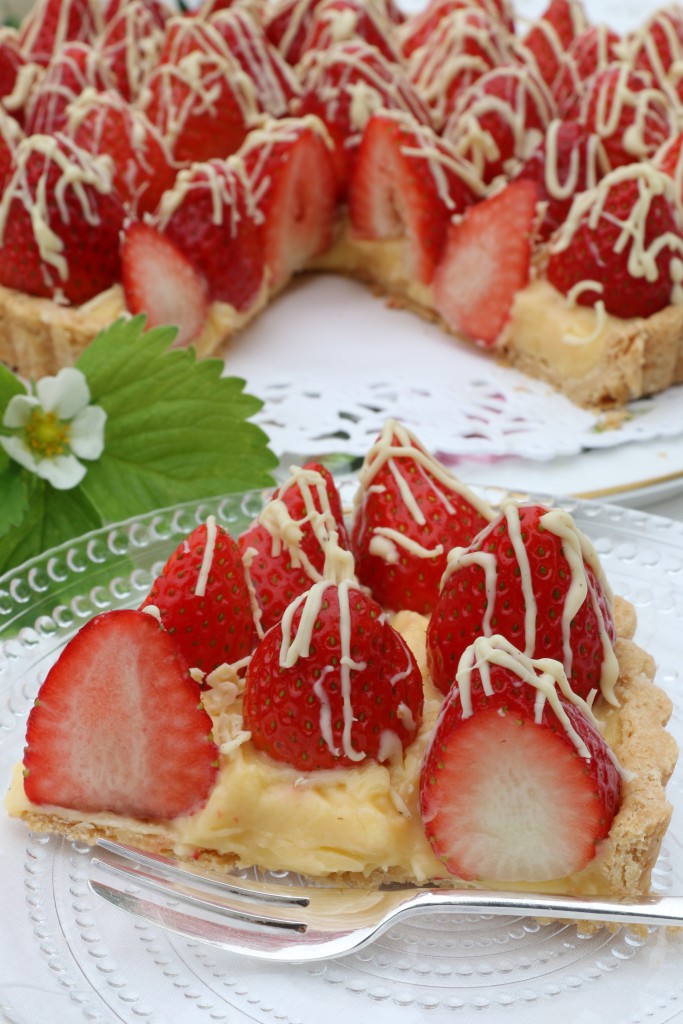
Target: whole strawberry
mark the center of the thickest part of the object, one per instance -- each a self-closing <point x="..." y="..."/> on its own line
<point x="203" y="599"/>
<point x="552" y="34"/>
<point x="410" y="511"/>
<point x="285" y="549"/>
<point x="517" y="783"/>
<point x="534" y="578"/>
<point x="52" y="23"/>
<point x="622" y="244"/>
<point x="61" y="219"/>
<point x="333" y="683"/>
<point x="118" y="725"/>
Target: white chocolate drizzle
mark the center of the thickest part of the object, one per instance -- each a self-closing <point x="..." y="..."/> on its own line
<point x="207" y="557"/>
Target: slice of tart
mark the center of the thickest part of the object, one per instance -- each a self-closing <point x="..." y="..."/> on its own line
<point x="341" y="743"/>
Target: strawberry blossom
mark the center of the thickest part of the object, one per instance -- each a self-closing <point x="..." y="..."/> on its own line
<point x="49" y="432"/>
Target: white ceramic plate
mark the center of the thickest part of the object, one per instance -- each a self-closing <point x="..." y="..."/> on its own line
<point x="68" y="957"/>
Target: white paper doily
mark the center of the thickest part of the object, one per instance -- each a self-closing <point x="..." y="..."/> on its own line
<point x="332" y="362"/>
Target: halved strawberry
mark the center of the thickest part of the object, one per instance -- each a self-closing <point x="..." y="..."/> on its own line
<point x="285" y="548"/>
<point x="517" y="784"/>
<point x="203" y="599"/>
<point x="410" y="511"/>
<point x="552" y="34"/>
<point x="333" y="684"/>
<point x="534" y="578"/>
<point x="161" y="282"/>
<point x="407" y="183"/>
<point x="211" y="214"/>
<point x="344" y="86"/>
<point x="486" y="261"/>
<point x="292" y="175"/>
<point x="117" y="725"/>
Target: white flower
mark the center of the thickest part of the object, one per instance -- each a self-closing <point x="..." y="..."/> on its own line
<point x="55" y="428"/>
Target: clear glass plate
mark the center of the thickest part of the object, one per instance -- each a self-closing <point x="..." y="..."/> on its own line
<point x="66" y="956"/>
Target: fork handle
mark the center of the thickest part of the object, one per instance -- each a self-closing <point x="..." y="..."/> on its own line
<point x="647" y="910"/>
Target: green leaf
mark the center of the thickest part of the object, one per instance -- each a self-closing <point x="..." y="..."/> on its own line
<point x="51" y="517"/>
<point x="176" y="430"/>
<point x="13" y="493"/>
<point x="9" y="386"/>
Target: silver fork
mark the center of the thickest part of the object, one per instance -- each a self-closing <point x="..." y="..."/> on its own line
<point x="301" y="923"/>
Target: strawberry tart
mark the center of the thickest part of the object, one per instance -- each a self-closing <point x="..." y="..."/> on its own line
<point x="520" y="184"/>
<point x="312" y="698"/>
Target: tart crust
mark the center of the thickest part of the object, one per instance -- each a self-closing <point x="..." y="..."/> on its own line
<point x="623" y="865"/>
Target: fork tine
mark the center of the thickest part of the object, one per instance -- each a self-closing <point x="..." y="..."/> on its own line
<point x="139" y="861"/>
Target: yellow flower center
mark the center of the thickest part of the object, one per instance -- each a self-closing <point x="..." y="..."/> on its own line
<point x="46" y="435"/>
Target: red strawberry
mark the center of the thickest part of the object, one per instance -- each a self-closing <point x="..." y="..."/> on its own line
<point x="591" y="51"/>
<point x="337" y="20"/>
<point x="50" y="24"/>
<point x="486" y="261"/>
<point x="464" y="45"/>
<point x="657" y="47"/>
<point x="204" y="105"/>
<point x="284" y="549"/>
<point x="275" y="83"/>
<point x="333" y="683"/>
<point x="668" y="159"/>
<point x="568" y="161"/>
<point x="10" y="137"/>
<point x="552" y="34"/>
<point x="418" y="29"/>
<point x="409" y="513"/>
<point x="291" y="171"/>
<point x="622" y="244"/>
<point x="117" y="726"/>
<point x="407" y="183"/>
<point x="131" y="42"/>
<point x="61" y="219"/>
<point x="104" y="123"/>
<point x="161" y="282"/>
<point x="344" y="86"/>
<point x="287" y="24"/>
<point x="532" y="577"/>
<point x="75" y="68"/>
<point x="15" y="72"/>
<point x="509" y="791"/>
<point x="631" y="117"/>
<point x="499" y="120"/>
<point x="211" y="214"/>
<point x="203" y="599"/>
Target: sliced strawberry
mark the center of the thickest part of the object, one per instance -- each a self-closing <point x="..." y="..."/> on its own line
<point x="291" y="171"/>
<point x="407" y="183"/>
<point x="284" y="549"/>
<point x="568" y="161"/>
<point x="591" y="51"/>
<point x="410" y="512"/>
<point x="632" y="118"/>
<point x="204" y="105"/>
<point x="74" y="69"/>
<point x="552" y="34"/>
<point x="203" y="599"/>
<point x="60" y="233"/>
<point x="464" y="45"/>
<point x="420" y="26"/>
<point x="131" y="41"/>
<point x="510" y="791"/>
<point x="498" y="121"/>
<point x="117" y="726"/>
<point x="532" y="577"/>
<point x="333" y="684"/>
<point x="486" y="261"/>
<point x="104" y="123"/>
<point x="161" y="282"/>
<point x="212" y="215"/>
<point x="50" y="24"/>
<point x="622" y="244"/>
<point x="344" y="86"/>
<point x="336" y="20"/>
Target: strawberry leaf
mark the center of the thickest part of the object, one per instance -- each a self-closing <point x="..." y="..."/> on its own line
<point x="176" y="429"/>
<point x="14" y="491"/>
